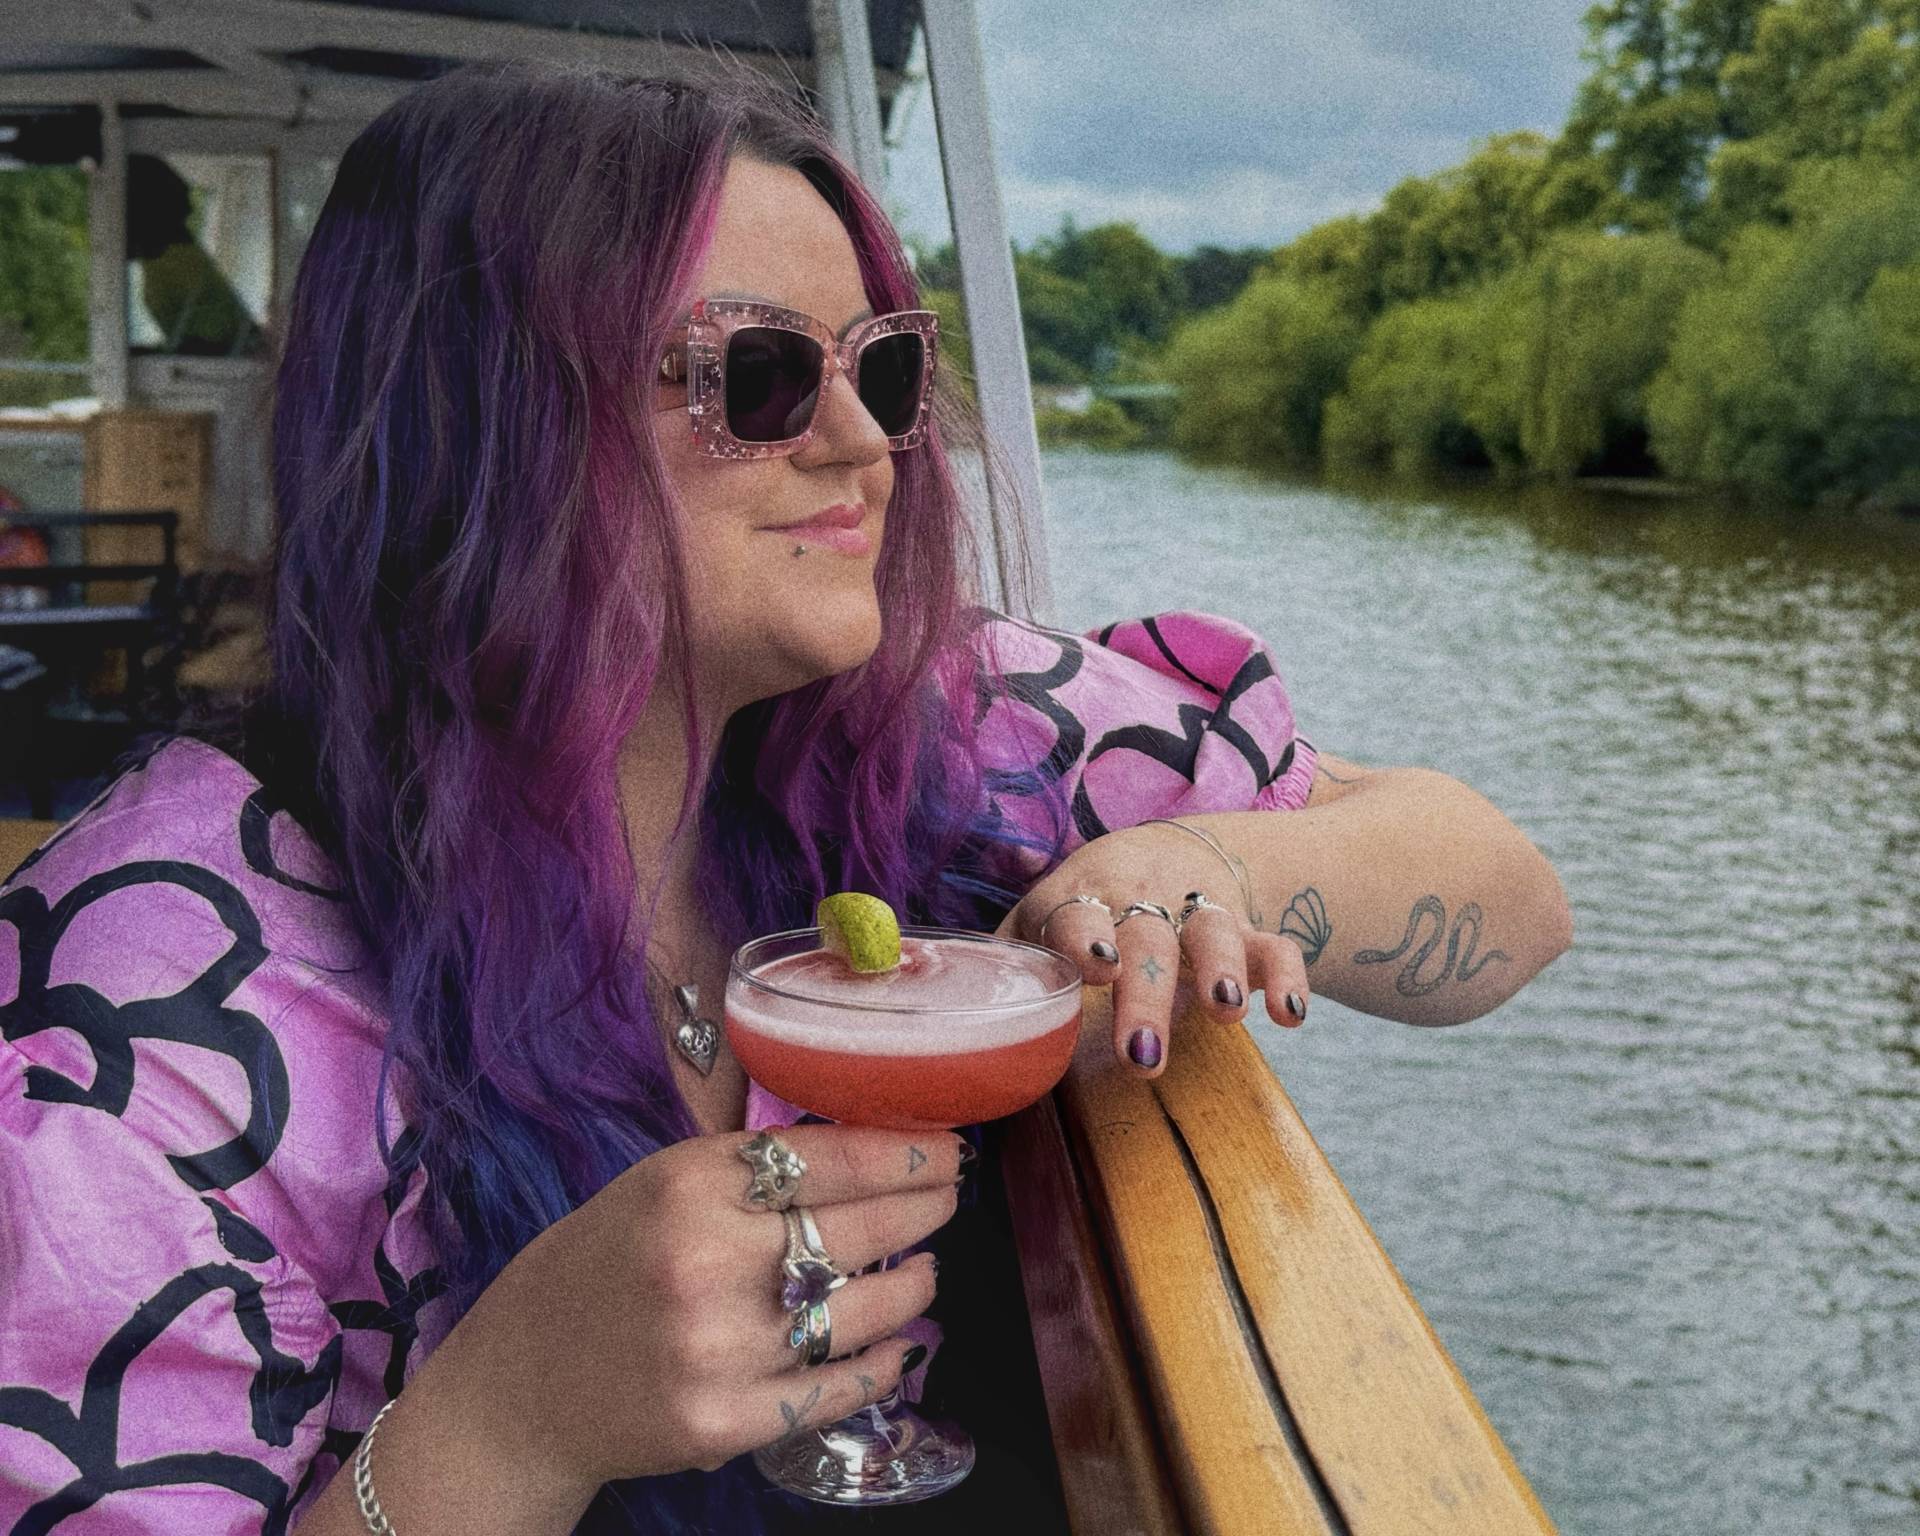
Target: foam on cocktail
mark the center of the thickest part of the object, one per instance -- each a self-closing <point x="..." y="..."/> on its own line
<point x="951" y="977"/>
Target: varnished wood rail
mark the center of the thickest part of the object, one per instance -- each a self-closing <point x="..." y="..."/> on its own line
<point x="20" y="838"/>
<point x="1224" y="1345"/>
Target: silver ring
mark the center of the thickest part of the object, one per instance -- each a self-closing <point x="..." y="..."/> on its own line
<point x="776" y="1171"/>
<point x="806" y="1273"/>
<point x="1197" y="901"/>
<point x="1133" y="907"/>
<point x="1091" y="901"/>
<point x="810" y="1332"/>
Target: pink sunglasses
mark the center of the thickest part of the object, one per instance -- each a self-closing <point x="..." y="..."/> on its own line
<point x="755" y="374"/>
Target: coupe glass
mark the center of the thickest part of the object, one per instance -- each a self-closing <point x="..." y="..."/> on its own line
<point x="968" y="1028"/>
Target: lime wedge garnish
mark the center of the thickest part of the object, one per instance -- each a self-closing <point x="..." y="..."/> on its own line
<point x="861" y="930"/>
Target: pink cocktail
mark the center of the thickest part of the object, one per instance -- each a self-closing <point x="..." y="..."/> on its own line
<point x="968" y="1028"/>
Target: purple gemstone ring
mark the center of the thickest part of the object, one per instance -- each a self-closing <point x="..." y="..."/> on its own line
<point x="807" y="1274"/>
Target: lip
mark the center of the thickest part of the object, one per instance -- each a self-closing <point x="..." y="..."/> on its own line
<point x="839" y="515"/>
<point x="836" y="528"/>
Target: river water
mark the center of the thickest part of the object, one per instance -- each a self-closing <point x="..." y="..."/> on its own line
<point x="1663" y="1207"/>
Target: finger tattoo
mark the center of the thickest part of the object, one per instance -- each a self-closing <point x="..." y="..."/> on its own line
<point x="794" y="1415"/>
<point x="1152" y="969"/>
<point x="916" y="1159"/>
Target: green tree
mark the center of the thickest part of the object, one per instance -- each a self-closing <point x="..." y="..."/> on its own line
<point x="1338" y="256"/>
<point x="43" y="263"/>
<point x="1799" y="368"/>
<point x="1425" y="392"/>
<point x="1433" y="235"/>
<point x="1590" y="322"/>
<point x="1823" y="79"/>
<point x="1133" y="287"/>
<point x="1467" y="224"/>
<point x="1654" y="109"/>
<point x="43" y="280"/>
<point x="1064" y="326"/>
<point x="1210" y="275"/>
<point x="1254" y="376"/>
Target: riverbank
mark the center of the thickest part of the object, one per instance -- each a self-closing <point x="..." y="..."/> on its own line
<point x="1108" y="427"/>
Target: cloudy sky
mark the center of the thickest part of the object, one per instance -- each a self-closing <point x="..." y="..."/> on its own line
<point x="1239" y="122"/>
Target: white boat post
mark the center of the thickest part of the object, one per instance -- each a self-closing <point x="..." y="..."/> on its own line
<point x="959" y="82"/>
<point x="844" y="80"/>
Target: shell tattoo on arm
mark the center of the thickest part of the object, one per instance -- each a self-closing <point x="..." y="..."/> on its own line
<point x="1305" y="922"/>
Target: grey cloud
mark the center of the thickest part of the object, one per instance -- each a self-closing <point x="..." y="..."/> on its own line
<point x="1297" y="109"/>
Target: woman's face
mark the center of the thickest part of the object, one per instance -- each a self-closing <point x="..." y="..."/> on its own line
<point x="767" y="620"/>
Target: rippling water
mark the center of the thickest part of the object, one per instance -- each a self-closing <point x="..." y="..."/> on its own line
<point x="1664" y="1206"/>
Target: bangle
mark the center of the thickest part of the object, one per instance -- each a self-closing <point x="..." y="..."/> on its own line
<point x="1235" y="865"/>
<point x="370" y="1510"/>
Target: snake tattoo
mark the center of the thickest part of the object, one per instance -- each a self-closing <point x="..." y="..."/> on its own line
<point x="1459" y="964"/>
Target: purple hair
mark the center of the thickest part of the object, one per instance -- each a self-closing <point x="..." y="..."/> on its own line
<point x="479" y="577"/>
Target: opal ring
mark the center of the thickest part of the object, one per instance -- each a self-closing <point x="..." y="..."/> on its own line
<point x="810" y="1332"/>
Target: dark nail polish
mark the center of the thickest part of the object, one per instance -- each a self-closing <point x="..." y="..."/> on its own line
<point x="1104" y="950"/>
<point x="1226" y="991"/>
<point x="913" y="1358"/>
<point x="1295" y="1006"/>
<point x="969" y="1155"/>
<point x="1144" y="1048"/>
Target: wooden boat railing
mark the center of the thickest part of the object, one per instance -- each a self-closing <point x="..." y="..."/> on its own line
<point x="1223" y="1343"/>
<point x="18" y="838"/>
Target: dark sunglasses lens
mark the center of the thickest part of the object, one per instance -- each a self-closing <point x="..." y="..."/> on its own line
<point x="892" y="374"/>
<point x="773" y="382"/>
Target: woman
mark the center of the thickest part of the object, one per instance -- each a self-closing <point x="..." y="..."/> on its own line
<point x="335" y="1079"/>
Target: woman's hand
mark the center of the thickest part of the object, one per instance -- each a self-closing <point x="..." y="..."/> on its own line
<point x="643" y="1333"/>
<point x="1226" y="959"/>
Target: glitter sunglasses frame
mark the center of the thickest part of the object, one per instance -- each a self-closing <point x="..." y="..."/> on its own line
<point x="702" y="361"/>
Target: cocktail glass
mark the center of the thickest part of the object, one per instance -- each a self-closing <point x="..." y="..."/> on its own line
<point x="967" y="1029"/>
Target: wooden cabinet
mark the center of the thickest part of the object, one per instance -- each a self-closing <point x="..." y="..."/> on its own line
<point x="140" y="461"/>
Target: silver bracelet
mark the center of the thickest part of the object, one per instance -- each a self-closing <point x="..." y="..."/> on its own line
<point x="1235" y="865"/>
<point x="370" y="1510"/>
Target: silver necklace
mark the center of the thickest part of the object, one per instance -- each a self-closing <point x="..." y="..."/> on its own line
<point x="695" y="1038"/>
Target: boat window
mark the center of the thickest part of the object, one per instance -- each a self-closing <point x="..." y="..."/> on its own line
<point x="199" y="253"/>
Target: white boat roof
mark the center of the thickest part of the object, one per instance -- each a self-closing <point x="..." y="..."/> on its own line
<point x="316" y="61"/>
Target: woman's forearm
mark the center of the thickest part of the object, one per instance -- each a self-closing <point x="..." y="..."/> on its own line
<point x="1411" y="896"/>
<point x="438" y="1470"/>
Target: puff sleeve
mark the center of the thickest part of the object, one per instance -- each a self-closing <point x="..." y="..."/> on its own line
<point x="1175" y="714"/>
<point x="203" y="1278"/>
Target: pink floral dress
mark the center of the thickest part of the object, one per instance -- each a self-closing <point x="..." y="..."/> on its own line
<point x="208" y="1282"/>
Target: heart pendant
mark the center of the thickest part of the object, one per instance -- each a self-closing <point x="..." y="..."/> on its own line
<point x="697" y="1039"/>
